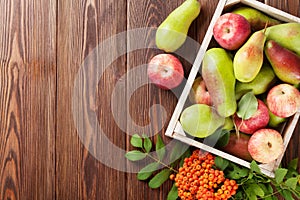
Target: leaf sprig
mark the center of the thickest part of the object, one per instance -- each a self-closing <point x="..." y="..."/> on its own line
<point x="254" y="185"/>
<point x="157" y="172"/>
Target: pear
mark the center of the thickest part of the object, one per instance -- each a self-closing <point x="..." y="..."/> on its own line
<point x="217" y="73"/>
<point x="172" y="32"/>
<point x="286" y="35"/>
<point x="262" y="82"/>
<point x="285" y="63"/>
<point x="257" y="19"/>
<point x="238" y="146"/>
<point x="275" y="121"/>
<point x="248" y="60"/>
<point x="200" y="120"/>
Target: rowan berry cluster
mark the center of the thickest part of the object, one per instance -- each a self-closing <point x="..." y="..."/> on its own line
<point x="199" y="179"/>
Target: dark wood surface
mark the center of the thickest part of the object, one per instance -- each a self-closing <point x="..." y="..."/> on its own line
<point x="42" y="45"/>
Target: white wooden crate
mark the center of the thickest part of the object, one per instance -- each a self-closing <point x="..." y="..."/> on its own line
<point x="175" y="130"/>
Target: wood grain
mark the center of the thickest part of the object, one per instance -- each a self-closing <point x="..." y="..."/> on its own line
<point x="82" y="26"/>
<point x="42" y="47"/>
<point x="28" y="89"/>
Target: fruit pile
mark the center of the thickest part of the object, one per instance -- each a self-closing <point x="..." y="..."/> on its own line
<point x="198" y="178"/>
<point x="248" y="86"/>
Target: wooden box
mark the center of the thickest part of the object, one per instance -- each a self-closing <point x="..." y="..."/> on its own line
<point x="175" y="130"/>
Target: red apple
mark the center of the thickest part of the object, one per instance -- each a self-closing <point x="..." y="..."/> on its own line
<point x="199" y="93"/>
<point x="265" y="145"/>
<point x="165" y="71"/>
<point x="231" y="31"/>
<point x="283" y="100"/>
<point x="257" y="121"/>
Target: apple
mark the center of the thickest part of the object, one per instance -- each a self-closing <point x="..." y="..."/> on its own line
<point x="257" y="121"/>
<point x="283" y="100"/>
<point x="165" y="71"/>
<point x="231" y="31"/>
<point x="199" y="93"/>
<point x="265" y="145"/>
<point x="238" y="146"/>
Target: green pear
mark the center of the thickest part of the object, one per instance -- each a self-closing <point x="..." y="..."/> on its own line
<point x="275" y="121"/>
<point x="285" y="63"/>
<point x="228" y="125"/>
<point x="217" y="73"/>
<point x="262" y="82"/>
<point x="248" y="60"/>
<point x="172" y="32"/>
<point x="287" y="35"/>
<point x="257" y="19"/>
<point x="200" y="120"/>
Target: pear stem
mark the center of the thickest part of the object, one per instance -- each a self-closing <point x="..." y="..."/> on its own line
<point x="266" y="26"/>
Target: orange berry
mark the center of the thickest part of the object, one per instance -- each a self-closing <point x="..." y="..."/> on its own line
<point x="226" y="182"/>
<point x="232" y="182"/>
<point x="172" y="177"/>
<point x="223" y="196"/>
<point x="235" y="187"/>
<point x="229" y="187"/>
<point x="233" y="192"/>
<point x="223" y="187"/>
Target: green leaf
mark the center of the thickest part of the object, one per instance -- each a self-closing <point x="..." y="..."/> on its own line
<point x="297" y="191"/>
<point x="287" y="195"/>
<point x="254" y="167"/>
<point x="274" y="198"/>
<point x="221" y="163"/>
<point x="160" y="148"/>
<point x="237" y="172"/>
<point x="239" y="195"/>
<point x="147" y="171"/>
<point x="173" y="193"/>
<point x="178" y="150"/>
<point x="292" y="182"/>
<point x="251" y="195"/>
<point x="293" y="164"/>
<point x="266" y="191"/>
<point x="159" y="178"/>
<point x="257" y="190"/>
<point x="147" y="143"/>
<point x="247" y="106"/>
<point x="135" y="155"/>
<point x="280" y="174"/>
<point x="224" y="139"/>
<point x="136" y="141"/>
<point x="270" y="188"/>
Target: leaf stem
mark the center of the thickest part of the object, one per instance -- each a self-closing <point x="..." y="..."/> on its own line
<point x="160" y="162"/>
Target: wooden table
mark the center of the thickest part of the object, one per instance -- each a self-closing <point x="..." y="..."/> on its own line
<point x="42" y="46"/>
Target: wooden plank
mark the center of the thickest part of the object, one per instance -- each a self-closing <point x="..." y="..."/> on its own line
<point x="27" y="96"/>
<point x="151" y="14"/>
<point x="81" y="26"/>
